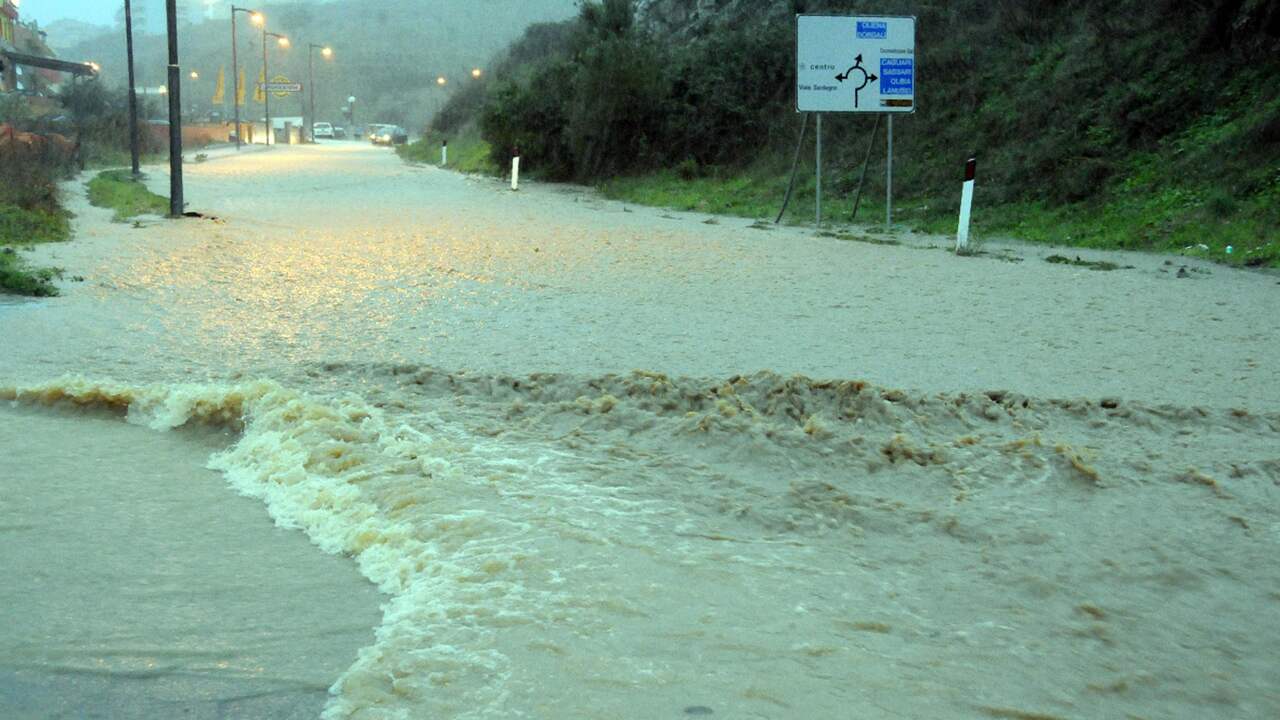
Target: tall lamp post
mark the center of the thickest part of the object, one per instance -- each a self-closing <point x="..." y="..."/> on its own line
<point x="176" y="204"/>
<point x="256" y="18"/>
<point x="327" y="52"/>
<point x="133" y="91"/>
<point x="195" y="106"/>
<point x="266" y="96"/>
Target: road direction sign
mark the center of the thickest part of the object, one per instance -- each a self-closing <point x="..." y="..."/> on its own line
<point x="855" y="64"/>
<point x="280" y="86"/>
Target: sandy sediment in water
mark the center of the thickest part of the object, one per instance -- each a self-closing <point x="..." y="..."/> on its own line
<point x="578" y="545"/>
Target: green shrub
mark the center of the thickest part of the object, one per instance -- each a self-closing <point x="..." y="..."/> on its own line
<point x="100" y="123"/>
<point x="16" y="277"/>
<point x="19" y="226"/>
<point x="118" y="190"/>
<point x="530" y="117"/>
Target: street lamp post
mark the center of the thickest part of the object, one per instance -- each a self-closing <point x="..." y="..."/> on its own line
<point x="256" y="18"/>
<point x="133" y="91"/>
<point x="175" y="115"/>
<point x="266" y="96"/>
<point x="195" y="106"/>
<point x="327" y="52"/>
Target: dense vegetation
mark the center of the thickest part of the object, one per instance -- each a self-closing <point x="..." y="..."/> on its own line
<point x="29" y="209"/>
<point x="1113" y="123"/>
<point x="90" y="127"/>
<point x="29" y="214"/>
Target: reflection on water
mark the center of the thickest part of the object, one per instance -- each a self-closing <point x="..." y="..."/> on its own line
<point x="135" y="585"/>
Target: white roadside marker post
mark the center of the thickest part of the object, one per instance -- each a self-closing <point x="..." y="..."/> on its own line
<point x="966" y="204"/>
<point x="515" y="170"/>
<point x="444" y="153"/>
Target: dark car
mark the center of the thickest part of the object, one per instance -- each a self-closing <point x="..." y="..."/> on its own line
<point x="389" y="135"/>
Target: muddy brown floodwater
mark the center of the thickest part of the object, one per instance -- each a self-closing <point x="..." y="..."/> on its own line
<point x="600" y="461"/>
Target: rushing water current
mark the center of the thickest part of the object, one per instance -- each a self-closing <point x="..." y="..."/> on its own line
<point x="596" y="462"/>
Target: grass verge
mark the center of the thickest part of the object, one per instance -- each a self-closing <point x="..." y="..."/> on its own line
<point x="20" y="227"/>
<point x="1136" y="214"/>
<point x="117" y="190"/>
<point x="468" y="152"/>
<point x="752" y="192"/>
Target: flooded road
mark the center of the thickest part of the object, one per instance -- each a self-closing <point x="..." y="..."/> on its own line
<point x="344" y="253"/>
<point x="607" y="461"/>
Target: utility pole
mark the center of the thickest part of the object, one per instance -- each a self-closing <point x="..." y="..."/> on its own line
<point x="133" y="91"/>
<point x="256" y="18"/>
<point x="235" y="76"/>
<point x="326" y="52"/>
<point x="266" y="96"/>
<point x="175" y="115"/>
<point x="311" y="90"/>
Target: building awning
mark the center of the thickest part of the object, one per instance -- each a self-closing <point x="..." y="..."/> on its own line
<point x="75" y="68"/>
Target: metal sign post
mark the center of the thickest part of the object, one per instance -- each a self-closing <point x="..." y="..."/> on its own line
<point x="888" y="179"/>
<point x="856" y="64"/>
<point x="818" y="206"/>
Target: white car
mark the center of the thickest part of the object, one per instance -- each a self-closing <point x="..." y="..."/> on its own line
<point x="322" y="130"/>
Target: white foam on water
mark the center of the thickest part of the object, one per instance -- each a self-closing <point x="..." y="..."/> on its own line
<point x="631" y="546"/>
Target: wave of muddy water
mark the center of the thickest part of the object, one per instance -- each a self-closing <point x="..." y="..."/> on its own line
<point x="433" y="378"/>
<point x="635" y="545"/>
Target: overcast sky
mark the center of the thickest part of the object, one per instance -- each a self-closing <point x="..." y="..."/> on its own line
<point x="100" y="12"/>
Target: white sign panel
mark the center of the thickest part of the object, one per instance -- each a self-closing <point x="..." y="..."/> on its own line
<point x="855" y="64"/>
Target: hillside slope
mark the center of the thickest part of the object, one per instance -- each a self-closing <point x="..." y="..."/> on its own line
<point x="388" y="55"/>
<point x="1149" y="124"/>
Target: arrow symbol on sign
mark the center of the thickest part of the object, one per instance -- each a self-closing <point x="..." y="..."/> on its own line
<point x="867" y="78"/>
<point x="857" y="65"/>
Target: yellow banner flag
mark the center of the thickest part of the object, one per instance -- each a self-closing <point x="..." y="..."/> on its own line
<point x="259" y="95"/>
<point x="220" y="91"/>
<point x="240" y="90"/>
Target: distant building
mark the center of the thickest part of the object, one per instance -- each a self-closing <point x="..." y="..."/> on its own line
<point x="27" y="65"/>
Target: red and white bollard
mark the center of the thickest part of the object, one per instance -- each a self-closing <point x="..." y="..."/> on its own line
<point x="966" y="205"/>
<point x="515" y="170"/>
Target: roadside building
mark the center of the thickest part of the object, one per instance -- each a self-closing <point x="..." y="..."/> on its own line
<point x="27" y="64"/>
<point x="8" y="35"/>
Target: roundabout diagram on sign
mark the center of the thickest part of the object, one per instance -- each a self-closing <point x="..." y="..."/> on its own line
<point x="867" y="78"/>
<point x="879" y="52"/>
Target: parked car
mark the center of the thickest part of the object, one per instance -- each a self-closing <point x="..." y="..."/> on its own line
<point x="323" y="130"/>
<point x="339" y="132"/>
<point x="390" y="135"/>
